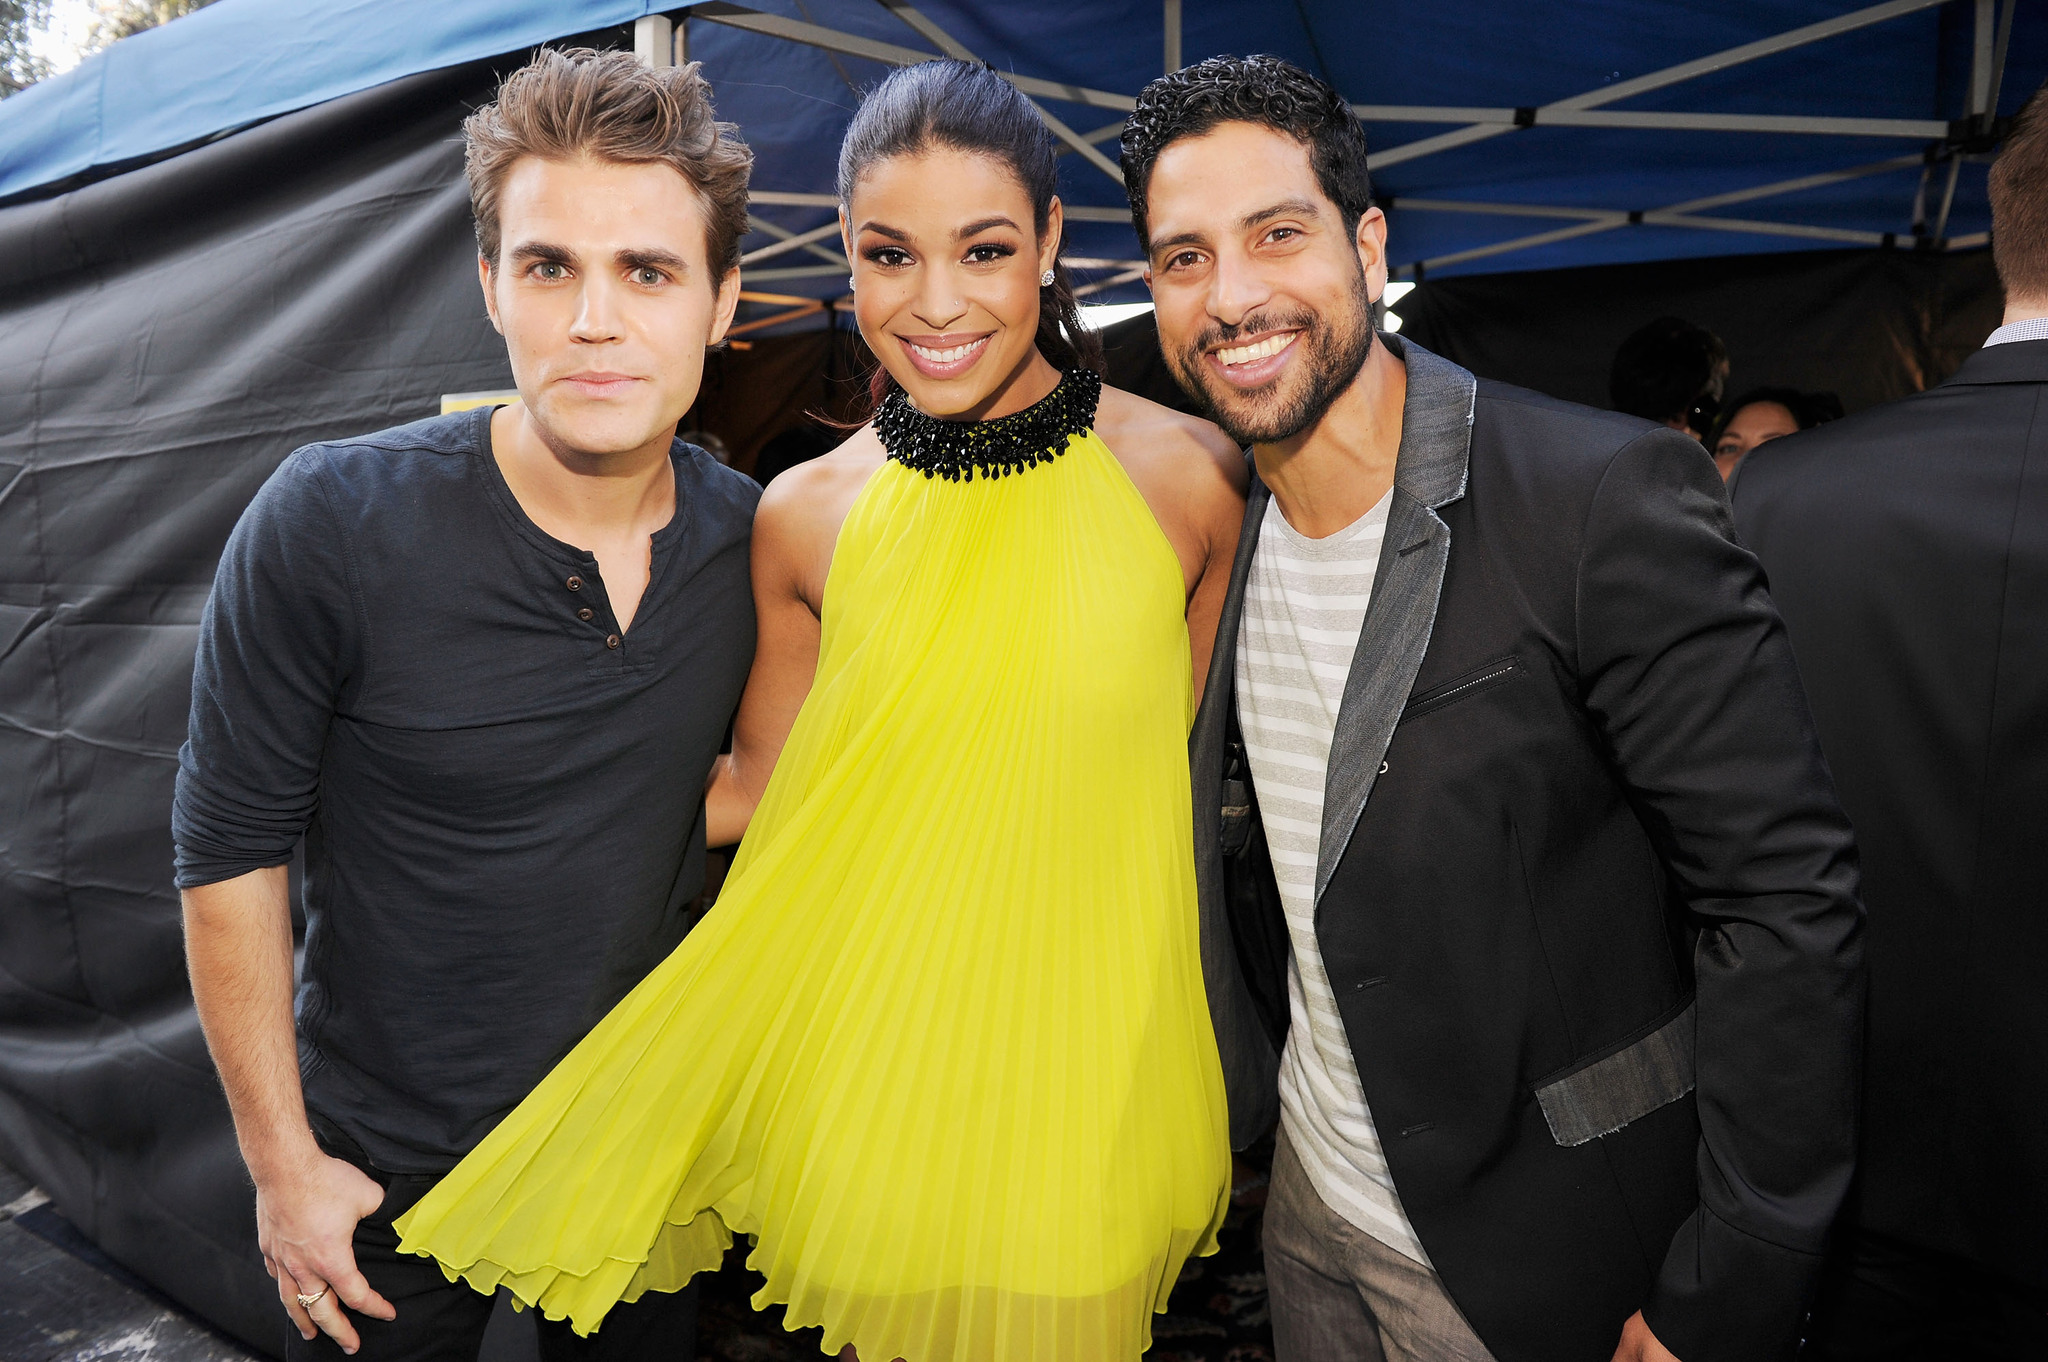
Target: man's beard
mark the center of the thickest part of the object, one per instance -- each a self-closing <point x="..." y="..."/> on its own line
<point x="1333" y="350"/>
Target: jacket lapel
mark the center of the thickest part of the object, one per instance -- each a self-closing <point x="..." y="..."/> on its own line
<point x="1429" y="472"/>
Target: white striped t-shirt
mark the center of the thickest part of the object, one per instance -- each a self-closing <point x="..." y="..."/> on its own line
<point x="1304" y="605"/>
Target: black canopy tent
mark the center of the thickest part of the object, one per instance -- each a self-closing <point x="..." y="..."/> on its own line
<point x="183" y="302"/>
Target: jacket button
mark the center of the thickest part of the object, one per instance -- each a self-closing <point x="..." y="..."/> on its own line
<point x="586" y="613"/>
<point x="611" y="640"/>
<point x="574" y="584"/>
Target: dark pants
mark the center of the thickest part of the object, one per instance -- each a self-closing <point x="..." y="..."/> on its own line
<point x="1884" y="1300"/>
<point x="443" y="1321"/>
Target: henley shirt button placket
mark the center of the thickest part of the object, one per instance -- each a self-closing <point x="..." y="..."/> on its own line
<point x="611" y="640"/>
<point x="586" y="613"/>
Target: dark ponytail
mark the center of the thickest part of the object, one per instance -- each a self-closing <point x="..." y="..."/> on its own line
<point x="970" y="108"/>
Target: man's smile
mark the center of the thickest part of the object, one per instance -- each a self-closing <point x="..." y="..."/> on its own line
<point x="1251" y="363"/>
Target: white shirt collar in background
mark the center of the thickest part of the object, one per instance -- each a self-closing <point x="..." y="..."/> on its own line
<point x="2033" y="328"/>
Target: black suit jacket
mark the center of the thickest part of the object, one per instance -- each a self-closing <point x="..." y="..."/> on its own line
<point x="1908" y="548"/>
<point x="1580" y="857"/>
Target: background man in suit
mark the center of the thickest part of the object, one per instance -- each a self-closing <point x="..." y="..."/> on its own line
<point x="1908" y="548"/>
<point x="1551" y="842"/>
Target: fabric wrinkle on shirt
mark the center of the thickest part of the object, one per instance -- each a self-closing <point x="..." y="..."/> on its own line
<point x="1305" y="605"/>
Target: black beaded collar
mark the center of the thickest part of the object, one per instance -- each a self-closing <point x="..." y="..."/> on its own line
<point x="956" y="450"/>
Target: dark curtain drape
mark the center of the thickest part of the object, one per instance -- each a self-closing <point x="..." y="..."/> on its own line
<point x="167" y="336"/>
<point x="1867" y="325"/>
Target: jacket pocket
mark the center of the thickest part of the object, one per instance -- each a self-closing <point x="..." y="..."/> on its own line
<point x="1602" y="1093"/>
<point x="1498" y="672"/>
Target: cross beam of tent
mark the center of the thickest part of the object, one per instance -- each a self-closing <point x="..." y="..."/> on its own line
<point x="662" y="39"/>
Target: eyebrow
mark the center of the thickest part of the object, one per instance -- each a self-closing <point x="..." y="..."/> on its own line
<point x="542" y="250"/>
<point x="974" y="228"/>
<point x="1295" y="208"/>
<point x="981" y="225"/>
<point x="645" y="256"/>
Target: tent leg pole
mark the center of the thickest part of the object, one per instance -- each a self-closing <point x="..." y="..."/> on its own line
<point x="653" y="42"/>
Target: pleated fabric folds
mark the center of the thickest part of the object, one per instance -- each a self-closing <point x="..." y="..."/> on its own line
<point x="942" y="1048"/>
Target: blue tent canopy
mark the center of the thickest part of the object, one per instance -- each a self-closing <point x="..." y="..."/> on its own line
<point x="1505" y="137"/>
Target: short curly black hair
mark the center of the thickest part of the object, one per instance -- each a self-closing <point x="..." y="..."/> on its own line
<point x="1255" y="89"/>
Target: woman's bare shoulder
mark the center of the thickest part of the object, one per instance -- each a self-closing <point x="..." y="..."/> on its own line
<point x="1148" y="437"/>
<point x="814" y="496"/>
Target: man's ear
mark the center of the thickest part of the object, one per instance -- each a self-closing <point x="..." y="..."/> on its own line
<point x="483" y="274"/>
<point x="726" y="303"/>
<point x="1372" y="251"/>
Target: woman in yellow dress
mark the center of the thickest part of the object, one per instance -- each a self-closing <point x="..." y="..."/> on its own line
<point x="942" y="1048"/>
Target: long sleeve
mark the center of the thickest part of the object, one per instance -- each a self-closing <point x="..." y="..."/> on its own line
<point x="274" y="643"/>
<point x="1686" y="669"/>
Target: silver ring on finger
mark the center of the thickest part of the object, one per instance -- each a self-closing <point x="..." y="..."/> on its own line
<point x="308" y="1301"/>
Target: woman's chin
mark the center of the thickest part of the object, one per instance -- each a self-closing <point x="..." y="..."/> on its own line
<point x="946" y="398"/>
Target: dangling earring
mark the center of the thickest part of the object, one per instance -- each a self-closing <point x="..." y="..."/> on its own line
<point x="1045" y="280"/>
<point x="849" y="283"/>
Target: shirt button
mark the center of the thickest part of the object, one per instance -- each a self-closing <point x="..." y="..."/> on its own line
<point x="585" y="613"/>
<point x="574" y="584"/>
<point x="611" y="640"/>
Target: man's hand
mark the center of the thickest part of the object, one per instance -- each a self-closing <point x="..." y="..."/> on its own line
<point x="305" y="1224"/>
<point x="1638" y="1344"/>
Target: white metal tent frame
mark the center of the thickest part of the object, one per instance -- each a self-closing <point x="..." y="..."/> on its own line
<point x="662" y="39"/>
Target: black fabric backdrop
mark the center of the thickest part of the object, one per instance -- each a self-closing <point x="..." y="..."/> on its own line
<point x="169" y="334"/>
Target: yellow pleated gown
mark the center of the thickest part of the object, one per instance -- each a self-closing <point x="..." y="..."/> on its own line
<point x="942" y="1047"/>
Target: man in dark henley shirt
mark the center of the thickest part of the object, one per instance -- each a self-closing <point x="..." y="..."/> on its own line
<point x="482" y="665"/>
<point x="501" y="794"/>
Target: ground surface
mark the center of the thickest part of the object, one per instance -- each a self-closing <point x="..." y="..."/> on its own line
<point x="61" y="1301"/>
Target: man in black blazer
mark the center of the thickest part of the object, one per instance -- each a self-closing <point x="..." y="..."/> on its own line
<point x="1557" y="998"/>
<point x="1908" y="548"/>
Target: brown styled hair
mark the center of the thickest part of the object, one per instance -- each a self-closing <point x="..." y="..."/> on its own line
<point x="2019" y="203"/>
<point x="606" y="106"/>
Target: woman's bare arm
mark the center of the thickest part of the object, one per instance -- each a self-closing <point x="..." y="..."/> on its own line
<point x="795" y="531"/>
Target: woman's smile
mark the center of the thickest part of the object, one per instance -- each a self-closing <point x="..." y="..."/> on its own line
<point x="946" y="356"/>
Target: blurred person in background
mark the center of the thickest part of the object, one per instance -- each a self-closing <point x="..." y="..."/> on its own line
<point x="1671" y="372"/>
<point x="786" y="449"/>
<point x="1765" y="414"/>
<point x="714" y="445"/>
<point x="1908" y="549"/>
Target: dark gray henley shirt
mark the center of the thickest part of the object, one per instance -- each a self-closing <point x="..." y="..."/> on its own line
<point x="500" y="792"/>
